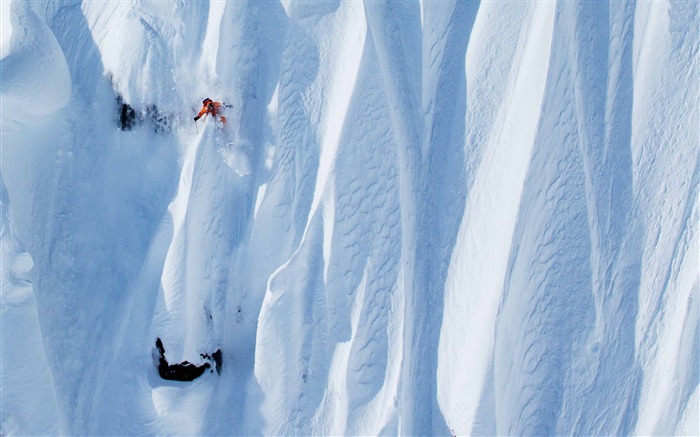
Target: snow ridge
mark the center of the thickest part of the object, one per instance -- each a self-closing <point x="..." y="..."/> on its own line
<point x="422" y="218"/>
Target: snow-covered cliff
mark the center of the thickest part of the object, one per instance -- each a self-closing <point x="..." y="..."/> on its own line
<point x="421" y="217"/>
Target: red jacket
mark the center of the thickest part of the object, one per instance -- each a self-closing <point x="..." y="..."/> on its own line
<point x="212" y="108"/>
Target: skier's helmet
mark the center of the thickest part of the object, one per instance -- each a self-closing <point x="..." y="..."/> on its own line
<point x="205" y="101"/>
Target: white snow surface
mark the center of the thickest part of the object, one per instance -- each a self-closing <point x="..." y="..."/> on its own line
<point x="422" y="218"/>
<point x="5" y="28"/>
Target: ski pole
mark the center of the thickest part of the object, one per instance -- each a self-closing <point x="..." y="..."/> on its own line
<point x="195" y="127"/>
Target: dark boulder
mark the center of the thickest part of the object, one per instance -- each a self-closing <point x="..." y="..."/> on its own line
<point x="184" y="371"/>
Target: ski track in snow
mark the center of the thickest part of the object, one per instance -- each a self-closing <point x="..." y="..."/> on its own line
<point x="422" y="218"/>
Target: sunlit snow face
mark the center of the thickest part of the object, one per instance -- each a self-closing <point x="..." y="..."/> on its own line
<point x="420" y="218"/>
<point x="5" y="28"/>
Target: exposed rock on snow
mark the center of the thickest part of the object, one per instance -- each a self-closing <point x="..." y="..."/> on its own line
<point x="420" y="217"/>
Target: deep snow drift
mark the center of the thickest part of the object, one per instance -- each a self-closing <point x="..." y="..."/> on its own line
<point x="421" y="218"/>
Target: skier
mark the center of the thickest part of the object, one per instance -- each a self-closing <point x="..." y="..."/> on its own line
<point x="211" y="107"/>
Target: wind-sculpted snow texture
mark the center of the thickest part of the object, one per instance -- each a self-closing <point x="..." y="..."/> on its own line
<point x="422" y="218"/>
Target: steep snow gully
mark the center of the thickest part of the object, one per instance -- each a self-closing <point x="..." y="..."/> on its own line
<point x="421" y="218"/>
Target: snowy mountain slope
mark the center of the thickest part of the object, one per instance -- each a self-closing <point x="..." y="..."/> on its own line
<point x="421" y="218"/>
